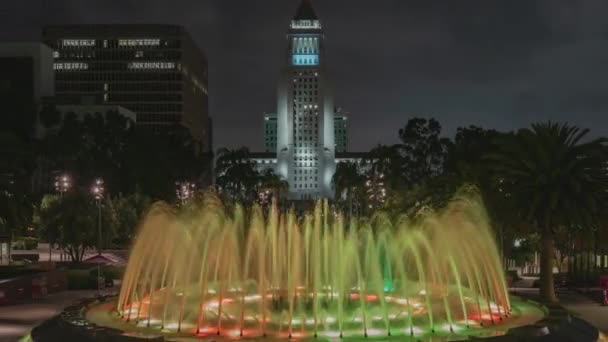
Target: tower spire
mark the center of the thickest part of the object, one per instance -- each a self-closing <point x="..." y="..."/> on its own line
<point x="306" y="11"/>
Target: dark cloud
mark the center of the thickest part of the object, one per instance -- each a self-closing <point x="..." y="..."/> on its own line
<point x="496" y="63"/>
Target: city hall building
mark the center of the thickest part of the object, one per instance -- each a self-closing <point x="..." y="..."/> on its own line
<point x="307" y="135"/>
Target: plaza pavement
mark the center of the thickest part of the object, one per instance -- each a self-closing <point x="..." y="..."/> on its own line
<point x="573" y="300"/>
<point x="17" y="321"/>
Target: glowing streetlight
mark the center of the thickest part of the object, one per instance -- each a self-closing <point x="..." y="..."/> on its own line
<point x="376" y="191"/>
<point x="264" y="197"/>
<point x="62" y="183"/>
<point x="185" y="190"/>
<point x="97" y="190"/>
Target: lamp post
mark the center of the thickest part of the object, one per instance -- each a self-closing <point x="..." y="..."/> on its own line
<point x="264" y="197"/>
<point x="62" y="185"/>
<point x="184" y="190"/>
<point x="98" y="191"/>
<point x="376" y="192"/>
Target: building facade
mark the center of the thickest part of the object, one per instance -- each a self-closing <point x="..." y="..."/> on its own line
<point x="305" y="120"/>
<point x="270" y="132"/>
<point x="340" y="132"/>
<point x="155" y="71"/>
<point x="26" y="75"/>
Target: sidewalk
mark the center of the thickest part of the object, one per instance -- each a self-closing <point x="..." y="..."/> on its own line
<point x="585" y="308"/>
<point x="578" y="304"/>
<point x="16" y="321"/>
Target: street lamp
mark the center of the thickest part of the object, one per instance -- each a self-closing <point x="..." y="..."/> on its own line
<point x="98" y="191"/>
<point x="264" y="197"/>
<point x="62" y="185"/>
<point x="185" y="191"/>
<point x="376" y="192"/>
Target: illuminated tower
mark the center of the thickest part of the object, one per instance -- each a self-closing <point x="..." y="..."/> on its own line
<point x="305" y="111"/>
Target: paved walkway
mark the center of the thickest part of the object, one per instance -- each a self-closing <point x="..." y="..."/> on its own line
<point x="16" y="321"/>
<point x="585" y="308"/>
<point x="577" y="303"/>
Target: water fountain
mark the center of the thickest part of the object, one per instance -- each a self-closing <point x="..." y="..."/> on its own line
<point x="207" y="270"/>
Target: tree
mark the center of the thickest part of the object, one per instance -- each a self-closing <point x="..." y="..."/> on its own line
<point x="422" y="149"/>
<point x="156" y="160"/>
<point x="553" y="179"/>
<point x="349" y="183"/>
<point x="466" y="164"/>
<point x="274" y="184"/>
<point x="128" y="211"/>
<point x="387" y="160"/>
<point x="71" y="221"/>
<point x="236" y="174"/>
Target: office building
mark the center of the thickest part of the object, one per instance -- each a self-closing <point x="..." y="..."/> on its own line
<point x="155" y="71"/>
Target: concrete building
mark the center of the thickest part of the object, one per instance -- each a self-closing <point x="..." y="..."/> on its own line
<point x="340" y="131"/>
<point x="155" y="71"/>
<point x="307" y="136"/>
<point x="305" y="146"/>
<point x="26" y="73"/>
<point x="270" y="132"/>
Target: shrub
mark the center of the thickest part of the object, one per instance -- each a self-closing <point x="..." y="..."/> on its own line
<point x="81" y="280"/>
<point x="25" y="243"/>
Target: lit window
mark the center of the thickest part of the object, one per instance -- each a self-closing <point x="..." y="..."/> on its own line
<point x="151" y="65"/>
<point x="138" y="42"/>
<point x="78" y="42"/>
<point x="70" y="66"/>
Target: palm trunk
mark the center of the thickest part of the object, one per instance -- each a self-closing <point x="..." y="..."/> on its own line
<point x="547" y="288"/>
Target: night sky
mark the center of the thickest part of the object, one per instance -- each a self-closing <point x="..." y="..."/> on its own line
<point x="494" y="63"/>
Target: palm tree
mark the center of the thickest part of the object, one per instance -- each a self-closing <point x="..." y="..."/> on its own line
<point x="554" y="179"/>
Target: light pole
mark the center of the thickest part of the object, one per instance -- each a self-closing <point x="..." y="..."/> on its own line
<point x="376" y="192"/>
<point x="264" y="197"/>
<point x="184" y="190"/>
<point x="62" y="185"/>
<point x="98" y="190"/>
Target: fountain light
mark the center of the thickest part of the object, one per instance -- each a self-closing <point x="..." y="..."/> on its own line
<point x="274" y="273"/>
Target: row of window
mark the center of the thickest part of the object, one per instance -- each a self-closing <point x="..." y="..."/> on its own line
<point x="305" y="172"/>
<point x="306" y="178"/>
<point x="117" y="55"/>
<point x="88" y="86"/>
<point x="116" y="66"/>
<point x="152" y="107"/>
<point x="305" y="164"/>
<point x="124" y="76"/>
<point x="171" y="118"/>
<point x="116" y="43"/>
<point x="305" y="186"/>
